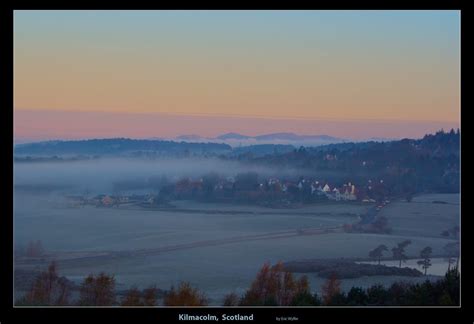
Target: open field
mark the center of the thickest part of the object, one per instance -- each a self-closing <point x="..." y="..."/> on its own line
<point x="215" y="268"/>
<point x="96" y="229"/>
<point x="422" y="217"/>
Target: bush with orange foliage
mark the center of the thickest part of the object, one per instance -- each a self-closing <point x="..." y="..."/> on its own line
<point x="149" y="296"/>
<point x="135" y="297"/>
<point x="231" y="299"/>
<point x="185" y="295"/>
<point x="132" y="298"/>
<point x="98" y="291"/>
<point x="48" y="289"/>
<point x="275" y="286"/>
<point x="331" y="288"/>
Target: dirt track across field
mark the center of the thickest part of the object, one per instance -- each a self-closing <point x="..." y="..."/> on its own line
<point x="67" y="258"/>
<point x="237" y="239"/>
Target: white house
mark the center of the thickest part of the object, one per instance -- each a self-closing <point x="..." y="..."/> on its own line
<point x="336" y="194"/>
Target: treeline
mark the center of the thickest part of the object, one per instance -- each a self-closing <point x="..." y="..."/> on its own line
<point x="407" y="166"/>
<point x="273" y="286"/>
<point x="119" y="146"/>
<point x="247" y="187"/>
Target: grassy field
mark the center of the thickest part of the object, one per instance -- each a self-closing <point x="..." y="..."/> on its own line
<point x="222" y="268"/>
<point x="96" y="229"/>
<point x="422" y="217"/>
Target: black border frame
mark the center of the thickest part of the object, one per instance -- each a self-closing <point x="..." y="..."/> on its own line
<point x="9" y="314"/>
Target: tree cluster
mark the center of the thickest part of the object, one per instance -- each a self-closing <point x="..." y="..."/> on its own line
<point x="273" y="286"/>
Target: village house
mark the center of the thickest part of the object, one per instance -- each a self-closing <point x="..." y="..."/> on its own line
<point x="326" y="188"/>
<point x="349" y="192"/>
<point x="330" y="157"/>
<point x="336" y="194"/>
<point x="150" y="199"/>
<point x="345" y="192"/>
<point x="107" y="201"/>
<point x="123" y="199"/>
<point x="314" y="186"/>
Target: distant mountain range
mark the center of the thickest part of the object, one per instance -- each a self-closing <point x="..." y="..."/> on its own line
<point x="189" y="145"/>
<point x="279" y="136"/>
<point x="233" y="136"/>
<point x="231" y="144"/>
<point x="236" y="139"/>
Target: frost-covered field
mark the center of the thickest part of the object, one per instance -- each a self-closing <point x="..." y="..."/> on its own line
<point x="218" y="269"/>
<point x="61" y="228"/>
<point x="422" y="217"/>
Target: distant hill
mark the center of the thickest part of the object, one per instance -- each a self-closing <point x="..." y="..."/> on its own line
<point x="279" y="136"/>
<point x="236" y="139"/>
<point x="262" y="150"/>
<point x="381" y="139"/>
<point x="430" y="164"/>
<point x="232" y="136"/>
<point x="189" y="137"/>
<point x="295" y="137"/>
<point x="119" y="146"/>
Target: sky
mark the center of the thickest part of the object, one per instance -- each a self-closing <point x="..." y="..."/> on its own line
<point x="352" y="74"/>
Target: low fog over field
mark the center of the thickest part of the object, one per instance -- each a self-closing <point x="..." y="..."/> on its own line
<point x="101" y="175"/>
